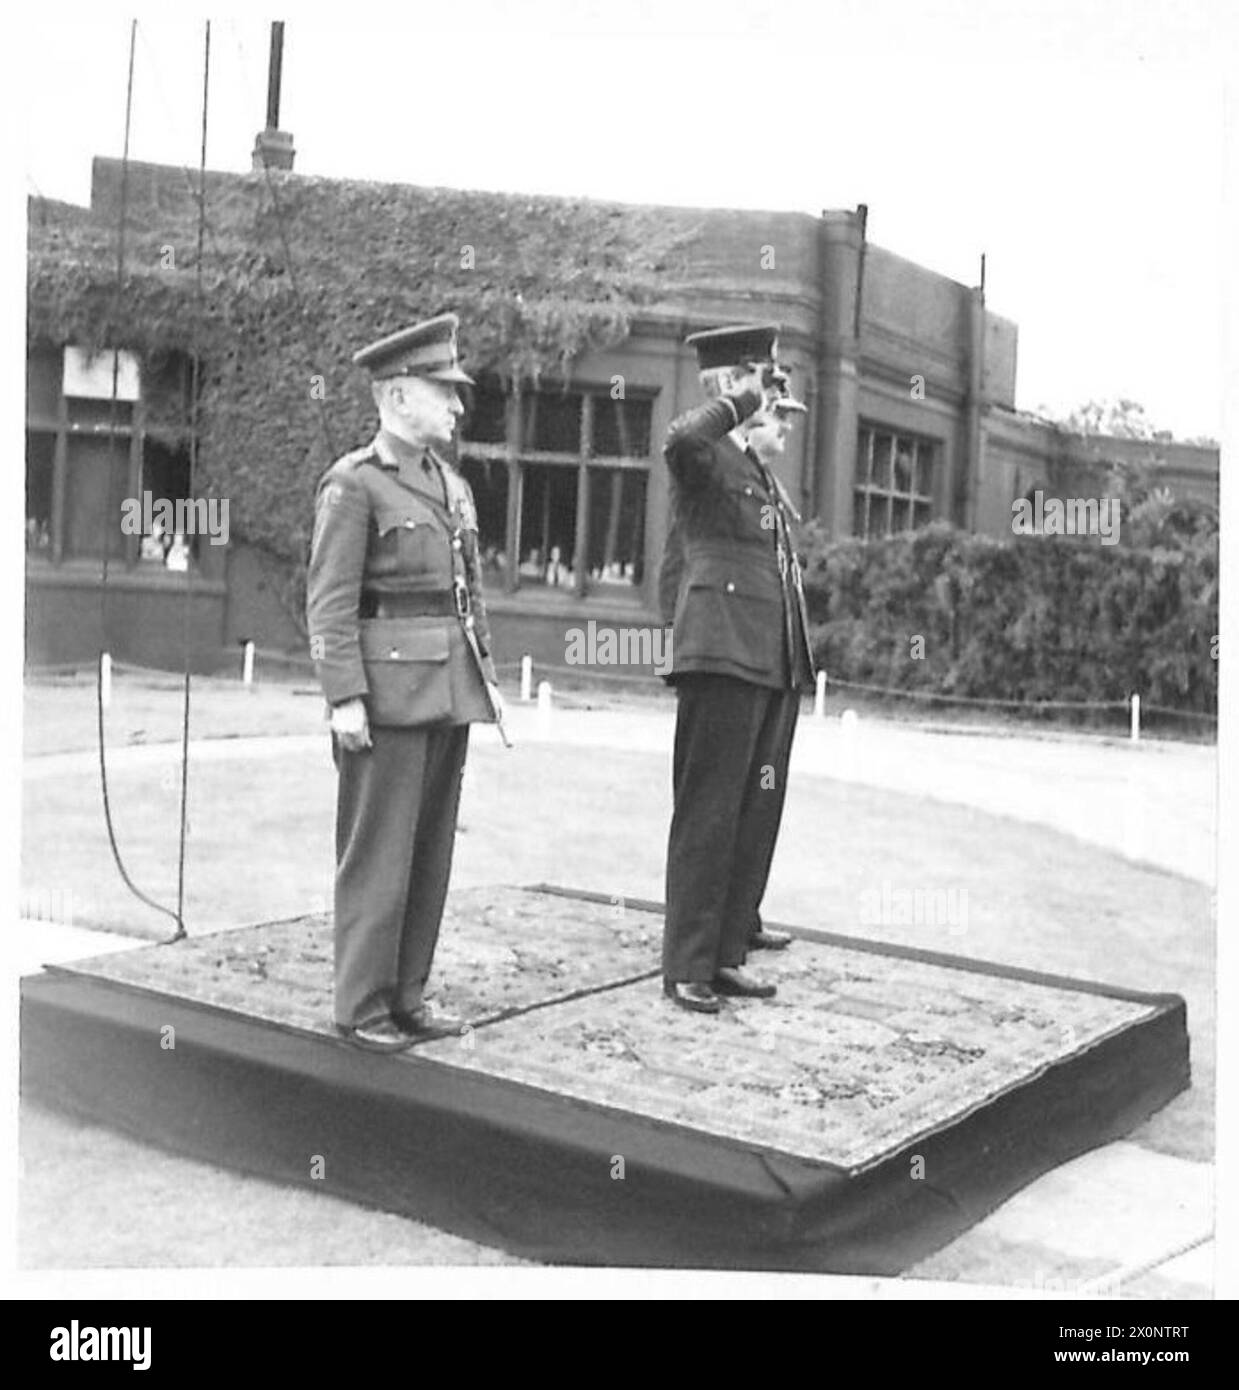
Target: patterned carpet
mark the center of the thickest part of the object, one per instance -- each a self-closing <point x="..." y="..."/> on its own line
<point x="861" y="1051"/>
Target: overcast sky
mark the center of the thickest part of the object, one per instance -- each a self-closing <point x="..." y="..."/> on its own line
<point x="1080" y="145"/>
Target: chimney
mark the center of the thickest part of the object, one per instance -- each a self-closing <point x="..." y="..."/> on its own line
<point x="273" y="147"/>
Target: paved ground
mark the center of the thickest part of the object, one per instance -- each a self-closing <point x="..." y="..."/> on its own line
<point x="1151" y="803"/>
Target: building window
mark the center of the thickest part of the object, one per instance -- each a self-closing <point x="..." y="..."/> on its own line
<point x="560" y="482"/>
<point x="893" y="490"/>
<point x="165" y="475"/>
<point x="40" y="464"/>
<point x="98" y="463"/>
<point x="87" y="455"/>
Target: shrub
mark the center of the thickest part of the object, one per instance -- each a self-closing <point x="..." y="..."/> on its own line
<point x="1029" y="618"/>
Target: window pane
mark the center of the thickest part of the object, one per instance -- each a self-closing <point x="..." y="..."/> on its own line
<point x="165" y="475"/>
<point x="925" y="469"/>
<point x="548" y="526"/>
<point x="616" y="527"/>
<point x="864" y="445"/>
<point x="622" y="428"/>
<point x="882" y="460"/>
<point x="553" y="421"/>
<point x="98" y="414"/>
<point x="485" y="413"/>
<point x="922" y="513"/>
<point x="904" y="451"/>
<point x="40" y="449"/>
<point x="92" y="508"/>
<point x="900" y="515"/>
<point x="489" y="481"/>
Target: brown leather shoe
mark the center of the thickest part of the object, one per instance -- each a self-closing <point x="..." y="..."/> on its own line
<point x="732" y="980"/>
<point x="763" y="939"/>
<point x="693" y="994"/>
<point x="383" y="1035"/>
<point x="426" y="1022"/>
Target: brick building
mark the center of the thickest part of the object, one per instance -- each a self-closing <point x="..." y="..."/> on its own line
<point x="909" y="380"/>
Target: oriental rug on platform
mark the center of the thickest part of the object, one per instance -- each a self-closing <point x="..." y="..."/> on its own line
<point x="781" y="1133"/>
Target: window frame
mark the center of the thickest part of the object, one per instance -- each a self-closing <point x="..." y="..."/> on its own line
<point x="868" y="432"/>
<point x="584" y="460"/>
<point x="124" y="441"/>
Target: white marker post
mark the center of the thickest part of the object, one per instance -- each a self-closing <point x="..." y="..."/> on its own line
<point x="247" y="664"/>
<point x="1135" y="718"/>
<point x="105" y="679"/>
<point x="819" y="697"/>
<point x="526" y="679"/>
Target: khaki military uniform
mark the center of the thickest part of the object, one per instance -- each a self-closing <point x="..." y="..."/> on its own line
<point x="396" y="617"/>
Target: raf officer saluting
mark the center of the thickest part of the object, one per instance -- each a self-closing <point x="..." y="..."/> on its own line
<point x="741" y="657"/>
<point x="401" y="647"/>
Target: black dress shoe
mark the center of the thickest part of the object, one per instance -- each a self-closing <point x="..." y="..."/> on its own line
<point x="732" y="980"/>
<point x="383" y="1035"/>
<point x="763" y="939"/>
<point x="693" y="994"/>
<point x="425" y="1022"/>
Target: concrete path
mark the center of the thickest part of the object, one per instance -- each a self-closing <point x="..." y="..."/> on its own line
<point x="1152" y="803"/>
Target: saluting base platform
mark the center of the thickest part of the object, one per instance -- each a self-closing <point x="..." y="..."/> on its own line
<point x="886" y="1100"/>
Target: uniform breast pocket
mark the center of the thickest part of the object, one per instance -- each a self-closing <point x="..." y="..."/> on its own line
<point x="407" y="670"/>
<point x="408" y="541"/>
<point x="723" y="621"/>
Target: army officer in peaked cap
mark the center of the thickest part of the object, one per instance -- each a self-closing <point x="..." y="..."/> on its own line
<point x="401" y="647"/>
<point x="731" y="587"/>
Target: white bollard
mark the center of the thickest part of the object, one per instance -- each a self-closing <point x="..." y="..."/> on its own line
<point x="105" y="679"/>
<point x="848" y="721"/>
<point x="247" y="664"/>
<point x="526" y="679"/>
<point x="819" y="697"/>
<point x="1135" y="718"/>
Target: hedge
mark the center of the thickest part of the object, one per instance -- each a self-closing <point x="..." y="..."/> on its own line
<point x="1028" y="618"/>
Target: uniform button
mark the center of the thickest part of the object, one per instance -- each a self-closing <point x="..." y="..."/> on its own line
<point x="456" y="543"/>
<point x="748" y="492"/>
<point x="731" y="588"/>
<point x="409" y="524"/>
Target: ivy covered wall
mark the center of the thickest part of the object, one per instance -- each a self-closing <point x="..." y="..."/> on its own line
<point x="297" y="273"/>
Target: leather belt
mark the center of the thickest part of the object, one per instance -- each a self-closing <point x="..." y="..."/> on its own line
<point x="435" y="604"/>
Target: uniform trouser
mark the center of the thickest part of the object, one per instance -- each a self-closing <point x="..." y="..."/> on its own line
<point x="395" y="831"/>
<point x="733" y="743"/>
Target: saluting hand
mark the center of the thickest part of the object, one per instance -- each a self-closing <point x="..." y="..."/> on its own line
<point x="752" y="378"/>
<point x="351" y="725"/>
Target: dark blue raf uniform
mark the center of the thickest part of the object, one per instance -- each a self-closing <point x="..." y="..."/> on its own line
<point x="396" y="617"/>
<point x="731" y="586"/>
